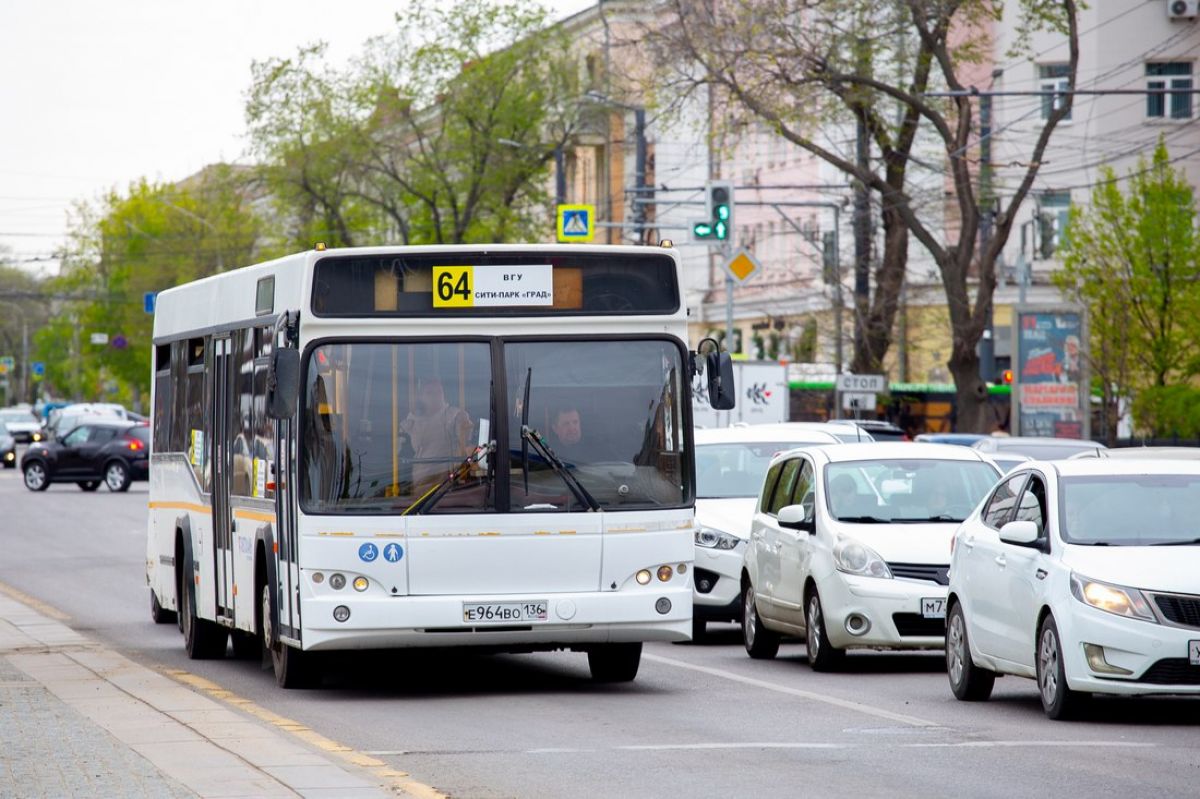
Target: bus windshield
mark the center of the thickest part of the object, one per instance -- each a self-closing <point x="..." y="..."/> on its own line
<point x="384" y="425"/>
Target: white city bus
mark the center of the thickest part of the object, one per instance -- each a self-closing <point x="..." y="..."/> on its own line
<point x="427" y="446"/>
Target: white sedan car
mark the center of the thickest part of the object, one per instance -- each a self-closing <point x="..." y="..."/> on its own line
<point x="850" y="546"/>
<point x="730" y="464"/>
<point x="1084" y="575"/>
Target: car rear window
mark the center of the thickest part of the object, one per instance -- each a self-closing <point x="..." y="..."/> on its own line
<point x="141" y="432"/>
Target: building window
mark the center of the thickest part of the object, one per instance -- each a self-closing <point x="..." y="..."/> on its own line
<point x="1053" y="78"/>
<point x="1170" y="85"/>
<point x="1054" y="209"/>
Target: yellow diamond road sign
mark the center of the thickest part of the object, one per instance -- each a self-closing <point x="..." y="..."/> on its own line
<point x="742" y="266"/>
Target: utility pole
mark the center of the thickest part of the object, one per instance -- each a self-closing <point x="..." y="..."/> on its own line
<point x="862" y="219"/>
<point x="987" y="344"/>
<point x="24" y="360"/>
<point x="560" y="175"/>
<point x="642" y="192"/>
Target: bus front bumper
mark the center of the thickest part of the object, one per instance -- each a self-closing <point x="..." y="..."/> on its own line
<point x="574" y="620"/>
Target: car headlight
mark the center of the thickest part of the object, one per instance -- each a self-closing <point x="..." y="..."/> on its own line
<point x="1128" y="602"/>
<point x="851" y="557"/>
<point x="712" y="538"/>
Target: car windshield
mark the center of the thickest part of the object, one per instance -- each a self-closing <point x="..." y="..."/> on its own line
<point x="414" y="427"/>
<point x="906" y="490"/>
<point x="1131" y="510"/>
<point x="724" y="471"/>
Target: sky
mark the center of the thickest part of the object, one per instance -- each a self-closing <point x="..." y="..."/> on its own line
<point x="95" y="94"/>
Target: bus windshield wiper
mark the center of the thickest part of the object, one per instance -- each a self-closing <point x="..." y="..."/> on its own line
<point x="431" y="497"/>
<point x="524" y="424"/>
<point x="534" y="439"/>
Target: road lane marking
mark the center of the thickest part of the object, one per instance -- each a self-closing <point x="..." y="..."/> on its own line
<point x="37" y="604"/>
<point x="709" y="746"/>
<point x="845" y="704"/>
<point x="1012" y="744"/>
<point x="398" y="780"/>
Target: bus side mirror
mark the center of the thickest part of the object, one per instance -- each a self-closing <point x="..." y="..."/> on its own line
<point x="284" y="389"/>
<point x="718" y="370"/>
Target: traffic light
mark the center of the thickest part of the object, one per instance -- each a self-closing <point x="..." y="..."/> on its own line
<point x="718" y="201"/>
<point x="1005" y="378"/>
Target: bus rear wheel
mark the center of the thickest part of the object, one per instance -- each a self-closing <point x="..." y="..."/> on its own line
<point x="202" y="639"/>
<point x="293" y="668"/>
<point x="615" y="662"/>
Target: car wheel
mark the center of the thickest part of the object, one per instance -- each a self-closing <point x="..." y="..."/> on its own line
<point x="117" y="477"/>
<point x="761" y="643"/>
<point x="157" y="612"/>
<point x="822" y="656"/>
<point x="293" y="667"/>
<point x="1058" y="700"/>
<point x="615" y="662"/>
<point x="88" y="485"/>
<point x="969" y="682"/>
<point x="36" y="476"/>
<point x="202" y="639"/>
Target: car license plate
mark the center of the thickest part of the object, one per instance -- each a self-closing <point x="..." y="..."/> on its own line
<point x="933" y="608"/>
<point x="504" y="612"/>
<point x="1194" y="653"/>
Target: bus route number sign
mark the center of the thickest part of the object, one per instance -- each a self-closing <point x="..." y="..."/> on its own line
<point x="492" y="286"/>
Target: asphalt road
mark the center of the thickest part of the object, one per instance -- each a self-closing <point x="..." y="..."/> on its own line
<point x="699" y="721"/>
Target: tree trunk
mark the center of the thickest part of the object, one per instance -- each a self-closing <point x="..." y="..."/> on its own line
<point x="973" y="413"/>
<point x="881" y="318"/>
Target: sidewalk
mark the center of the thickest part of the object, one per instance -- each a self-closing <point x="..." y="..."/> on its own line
<point x="80" y="720"/>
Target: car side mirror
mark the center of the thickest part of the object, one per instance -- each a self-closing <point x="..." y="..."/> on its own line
<point x="1021" y="533"/>
<point x="797" y="517"/>
<point x="284" y="387"/>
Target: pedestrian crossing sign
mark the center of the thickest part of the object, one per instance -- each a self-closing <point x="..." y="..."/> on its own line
<point x="576" y="223"/>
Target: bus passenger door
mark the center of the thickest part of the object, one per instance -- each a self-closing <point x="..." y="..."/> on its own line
<point x="222" y="474"/>
<point x="285" y="517"/>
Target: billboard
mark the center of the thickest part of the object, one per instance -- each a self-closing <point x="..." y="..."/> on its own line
<point x="1050" y="381"/>
<point x="762" y="396"/>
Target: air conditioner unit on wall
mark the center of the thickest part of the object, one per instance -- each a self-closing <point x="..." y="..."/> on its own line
<point x="1183" y="9"/>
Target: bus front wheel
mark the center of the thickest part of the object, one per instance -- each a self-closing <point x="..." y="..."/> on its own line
<point x="615" y="662"/>
<point x="293" y="668"/>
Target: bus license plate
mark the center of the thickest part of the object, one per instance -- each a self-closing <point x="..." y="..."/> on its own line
<point x="503" y="612"/>
<point x="933" y="608"/>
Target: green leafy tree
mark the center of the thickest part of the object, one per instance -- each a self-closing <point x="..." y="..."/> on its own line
<point x="1132" y="258"/>
<point x="800" y="65"/>
<point x="443" y="132"/>
<point x="150" y="238"/>
<point x="22" y="312"/>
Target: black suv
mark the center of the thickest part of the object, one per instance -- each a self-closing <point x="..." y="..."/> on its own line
<point x="111" y="451"/>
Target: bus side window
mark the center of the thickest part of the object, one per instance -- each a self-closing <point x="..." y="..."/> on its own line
<point x="197" y="444"/>
<point x="178" y="401"/>
<point x="242" y="413"/>
<point x="162" y="398"/>
<point x="261" y="440"/>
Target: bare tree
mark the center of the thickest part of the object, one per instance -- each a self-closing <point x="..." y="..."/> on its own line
<point x="806" y="66"/>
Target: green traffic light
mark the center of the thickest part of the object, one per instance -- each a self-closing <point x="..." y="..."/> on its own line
<point x="723" y="212"/>
<point x="720" y="230"/>
<point x="702" y="230"/>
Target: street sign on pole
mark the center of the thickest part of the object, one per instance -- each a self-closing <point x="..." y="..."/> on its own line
<point x="99" y="338"/>
<point x="742" y="266"/>
<point x="39" y="369"/>
<point x="119" y="342"/>
<point x="875" y="384"/>
<point x="858" y="401"/>
<point x="576" y="223"/>
<point x="148" y="301"/>
<point x="7" y="362"/>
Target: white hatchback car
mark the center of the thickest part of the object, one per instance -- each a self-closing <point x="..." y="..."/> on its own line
<point x="730" y="465"/>
<point x="1084" y="575"/>
<point x="850" y="546"/>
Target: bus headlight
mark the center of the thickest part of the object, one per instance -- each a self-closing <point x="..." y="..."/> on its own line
<point x="643" y="577"/>
<point x="337" y="581"/>
<point x="665" y="573"/>
<point x="361" y="583"/>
